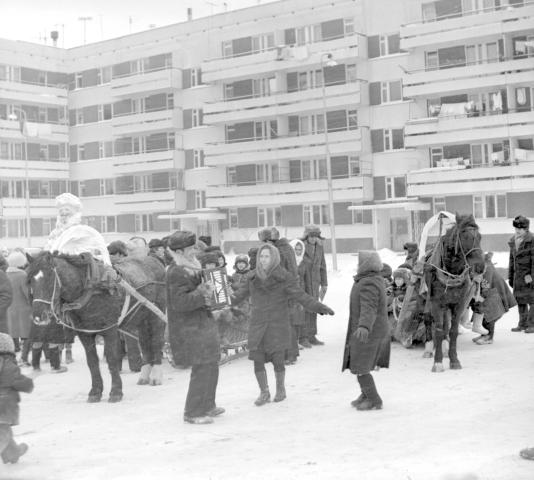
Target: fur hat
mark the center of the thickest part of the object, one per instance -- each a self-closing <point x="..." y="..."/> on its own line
<point x="208" y="257"/>
<point x="155" y="243"/>
<point x="403" y="273"/>
<point x="241" y="259"/>
<point x="369" y="261"/>
<point x="410" y="247"/>
<point x="181" y="239"/>
<point x="69" y="200"/>
<point x="206" y="240"/>
<point x="311" y="231"/>
<point x="116" y="247"/>
<point x="521" y="222"/>
<point x="264" y="235"/>
<point x="6" y="343"/>
<point x="386" y="271"/>
<point x="17" y="259"/>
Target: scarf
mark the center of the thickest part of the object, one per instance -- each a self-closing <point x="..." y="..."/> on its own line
<point x="61" y="226"/>
<point x="192" y="266"/>
<point x="261" y="272"/>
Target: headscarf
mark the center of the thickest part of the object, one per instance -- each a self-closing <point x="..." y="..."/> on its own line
<point x="293" y="244"/>
<point x="275" y="261"/>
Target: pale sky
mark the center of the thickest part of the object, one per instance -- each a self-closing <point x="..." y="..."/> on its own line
<point x="33" y="20"/>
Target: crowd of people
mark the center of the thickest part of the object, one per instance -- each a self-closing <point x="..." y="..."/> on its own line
<point x="276" y="290"/>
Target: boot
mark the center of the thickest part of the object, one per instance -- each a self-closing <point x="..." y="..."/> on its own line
<point x="25" y="352"/>
<point x="372" y="400"/>
<point x="359" y="400"/>
<point x="280" y="386"/>
<point x="144" y="377"/>
<point x="55" y="361"/>
<point x="36" y="358"/>
<point x="68" y="353"/>
<point x="265" y="395"/>
<point x="477" y="324"/>
<point x="315" y="341"/>
<point x="523" y="322"/>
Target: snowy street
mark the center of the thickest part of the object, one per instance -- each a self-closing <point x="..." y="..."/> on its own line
<point x="465" y="424"/>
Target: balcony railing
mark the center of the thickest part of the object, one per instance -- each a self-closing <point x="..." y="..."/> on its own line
<point x="470" y="112"/>
<point x="142" y="72"/>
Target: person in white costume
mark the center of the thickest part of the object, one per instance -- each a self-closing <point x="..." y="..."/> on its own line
<point x="72" y="237"/>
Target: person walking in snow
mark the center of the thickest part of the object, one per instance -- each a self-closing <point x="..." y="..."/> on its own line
<point x="11" y="383"/>
<point x="521" y="273"/>
<point x="270" y="288"/>
<point x="367" y="328"/>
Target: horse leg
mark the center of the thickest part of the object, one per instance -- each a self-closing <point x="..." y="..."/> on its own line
<point x="157" y="329"/>
<point x="111" y="350"/>
<point x="453" y="335"/>
<point x="97" y="386"/>
<point x="146" y="354"/>
<point x="437" y="335"/>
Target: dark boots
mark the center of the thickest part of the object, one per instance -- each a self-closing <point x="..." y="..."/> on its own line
<point x="265" y="395"/>
<point x="36" y="357"/>
<point x="280" y="386"/>
<point x="523" y="319"/>
<point x="372" y="400"/>
<point x="55" y="360"/>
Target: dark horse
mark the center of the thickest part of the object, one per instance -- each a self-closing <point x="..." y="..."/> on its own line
<point x="456" y="259"/>
<point x="62" y="294"/>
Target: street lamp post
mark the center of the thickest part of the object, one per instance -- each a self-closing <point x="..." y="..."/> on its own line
<point x="330" y="62"/>
<point x="23" y="127"/>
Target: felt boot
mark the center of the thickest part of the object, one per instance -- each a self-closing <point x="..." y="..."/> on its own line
<point x="372" y="400"/>
<point x="36" y="357"/>
<point x="144" y="376"/>
<point x="265" y="395"/>
<point x="280" y="386"/>
<point x="55" y="360"/>
<point x="477" y="324"/>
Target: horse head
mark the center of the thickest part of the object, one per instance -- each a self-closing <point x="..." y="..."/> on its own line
<point x="45" y="286"/>
<point x="465" y="240"/>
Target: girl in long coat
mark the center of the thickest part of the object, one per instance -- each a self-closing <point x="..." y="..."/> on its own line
<point x="270" y="287"/>
<point x="367" y="329"/>
<point x="19" y="314"/>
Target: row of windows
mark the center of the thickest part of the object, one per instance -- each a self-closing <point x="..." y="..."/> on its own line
<point x="484" y="206"/>
<point x="446" y="9"/>
<point x="36" y="151"/>
<point x="12" y="73"/>
<point x="34" y="114"/>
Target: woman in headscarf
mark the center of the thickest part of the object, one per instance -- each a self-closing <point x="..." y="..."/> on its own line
<point x="270" y="287"/>
<point x="367" y="329"/>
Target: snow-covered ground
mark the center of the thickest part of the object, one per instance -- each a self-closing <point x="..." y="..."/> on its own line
<point x="462" y="424"/>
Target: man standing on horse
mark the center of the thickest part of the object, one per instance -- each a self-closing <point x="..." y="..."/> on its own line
<point x="70" y="236"/>
<point x="521" y="273"/>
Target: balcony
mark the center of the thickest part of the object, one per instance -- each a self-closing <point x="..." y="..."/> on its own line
<point x="46" y="132"/>
<point x="150" y="201"/>
<point x="283" y="103"/>
<point x="468" y="25"/>
<point x="279" y="58"/>
<point x="286" y="193"/>
<point x="165" y="160"/>
<point x="150" y="122"/>
<point x="465" y="129"/>
<point x="35" y="94"/>
<point x="41" y="170"/>
<point x="39" y="207"/>
<point x="282" y="148"/>
<point x="475" y="76"/>
<point x="154" y="81"/>
<point x="463" y="180"/>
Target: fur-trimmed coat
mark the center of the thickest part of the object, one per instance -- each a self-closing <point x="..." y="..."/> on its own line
<point x="269" y="330"/>
<point x="186" y="304"/>
<point x="11" y="383"/>
<point x="6" y="296"/>
<point x="521" y="263"/>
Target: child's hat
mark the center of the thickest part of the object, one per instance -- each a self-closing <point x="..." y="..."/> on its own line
<point x="6" y="343"/>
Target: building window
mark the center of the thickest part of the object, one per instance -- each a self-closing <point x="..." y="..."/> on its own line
<point x="195" y="77"/>
<point x="109" y="224"/>
<point x="107" y="186"/>
<point x="200" y="199"/>
<point x="354" y="166"/>
<point x="489" y="206"/>
<point x="382" y="45"/>
<point x="196" y="115"/>
<point x="436" y="156"/>
<point x="198" y="158"/>
<point x="439" y="205"/>
<point x="231" y="176"/>
<point x="395" y="187"/>
<point x="387" y="139"/>
<point x="143" y="222"/>
<point x="232" y="218"/>
<point x="316" y="214"/>
<point x="269" y="216"/>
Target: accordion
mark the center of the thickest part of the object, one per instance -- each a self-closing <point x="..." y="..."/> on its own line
<point x="221" y="288"/>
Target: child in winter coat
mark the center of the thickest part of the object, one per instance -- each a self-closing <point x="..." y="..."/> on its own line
<point x="241" y="268"/>
<point x="11" y="383"/>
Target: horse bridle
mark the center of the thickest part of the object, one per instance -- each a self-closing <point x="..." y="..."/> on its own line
<point x="52" y="302"/>
<point x="465" y="254"/>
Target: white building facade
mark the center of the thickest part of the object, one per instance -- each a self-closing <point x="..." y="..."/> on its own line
<point x="222" y="125"/>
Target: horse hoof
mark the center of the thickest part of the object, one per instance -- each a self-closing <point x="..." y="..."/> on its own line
<point x="94" y="398"/>
<point x="428" y="355"/>
<point x="455" y="366"/>
<point x="438" y="367"/>
<point x="115" y="398"/>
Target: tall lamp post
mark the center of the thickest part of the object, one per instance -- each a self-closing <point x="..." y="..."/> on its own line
<point x="23" y="130"/>
<point x="328" y="61"/>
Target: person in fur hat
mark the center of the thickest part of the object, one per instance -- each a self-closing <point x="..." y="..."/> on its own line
<point x="367" y="328"/>
<point x="521" y="273"/>
<point x="270" y="288"/>
<point x="11" y="383"/>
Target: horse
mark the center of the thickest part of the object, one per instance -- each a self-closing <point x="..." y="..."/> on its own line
<point x="456" y="259"/>
<point x="62" y="294"/>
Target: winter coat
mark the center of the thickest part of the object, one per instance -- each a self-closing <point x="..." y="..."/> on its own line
<point x="238" y="278"/>
<point x="287" y="256"/>
<point x="19" y="314"/>
<point x="521" y="263"/>
<point x="368" y="308"/>
<point x="6" y="296"/>
<point x="186" y="305"/>
<point x="492" y="280"/>
<point x="316" y="266"/>
<point x="11" y="383"/>
<point x="269" y="330"/>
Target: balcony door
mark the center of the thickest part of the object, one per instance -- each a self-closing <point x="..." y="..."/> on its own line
<point x="399" y="232"/>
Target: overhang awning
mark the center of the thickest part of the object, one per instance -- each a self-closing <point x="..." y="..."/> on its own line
<point x="198" y="214"/>
<point x="408" y="206"/>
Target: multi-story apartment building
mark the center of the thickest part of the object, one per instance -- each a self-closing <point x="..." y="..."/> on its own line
<point x="223" y="125"/>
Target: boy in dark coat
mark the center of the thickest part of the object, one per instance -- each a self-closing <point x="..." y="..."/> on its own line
<point x="270" y="288"/>
<point x="367" y="329"/>
<point x="11" y="383"/>
<point x="521" y="273"/>
<point x="188" y="302"/>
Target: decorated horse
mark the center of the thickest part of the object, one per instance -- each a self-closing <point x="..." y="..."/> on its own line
<point x="91" y="298"/>
<point x="444" y="276"/>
